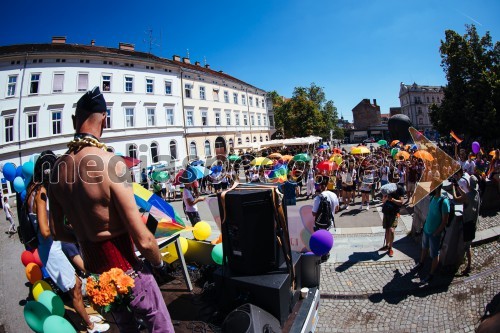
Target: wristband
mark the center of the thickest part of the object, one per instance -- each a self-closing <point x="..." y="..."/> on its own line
<point x="159" y="265"/>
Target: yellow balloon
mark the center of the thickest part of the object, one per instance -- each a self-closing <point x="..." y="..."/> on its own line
<point x="171" y="252"/>
<point x="202" y="230"/>
<point x="39" y="287"/>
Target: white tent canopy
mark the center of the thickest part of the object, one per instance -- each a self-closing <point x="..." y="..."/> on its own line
<point x="309" y="140"/>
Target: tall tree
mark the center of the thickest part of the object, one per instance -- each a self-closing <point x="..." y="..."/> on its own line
<point x="471" y="102"/>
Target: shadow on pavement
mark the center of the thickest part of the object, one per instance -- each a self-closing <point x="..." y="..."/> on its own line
<point x="357" y="257"/>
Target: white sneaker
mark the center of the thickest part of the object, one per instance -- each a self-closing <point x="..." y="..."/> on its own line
<point x="346" y="207"/>
<point x="98" y="328"/>
<point x="96" y="318"/>
<point x="368" y="207"/>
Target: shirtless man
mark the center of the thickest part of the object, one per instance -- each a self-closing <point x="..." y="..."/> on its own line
<point x="90" y="186"/>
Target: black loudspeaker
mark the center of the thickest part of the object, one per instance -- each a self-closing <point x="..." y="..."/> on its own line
<point x="249" y="318"/>
<point x="310" y="270"/>
<point x="249" y="231"/>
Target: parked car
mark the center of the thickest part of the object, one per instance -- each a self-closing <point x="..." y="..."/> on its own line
<point x="369" y="140"/>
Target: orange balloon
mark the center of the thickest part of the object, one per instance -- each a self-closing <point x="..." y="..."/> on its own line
<point x="33" y="272"/>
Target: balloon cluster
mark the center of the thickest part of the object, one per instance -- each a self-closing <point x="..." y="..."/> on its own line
<point x="46" y="313"/>
<point x="20" y="176"/>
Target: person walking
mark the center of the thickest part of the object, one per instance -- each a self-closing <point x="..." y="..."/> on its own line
<point x="391" y="204"/>
<point x="9" y="216"/>
<point x="190" y="202"/>
<point x="105" y="219"/>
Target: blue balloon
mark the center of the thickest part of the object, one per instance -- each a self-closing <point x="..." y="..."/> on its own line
<point x="19" y="184"/>
<point x="19" y="171"/>
<point x="33" y="158"/>
<point x="28" y="168"/>
<point x="9" y="171"/>
<point x="23" y="195"/>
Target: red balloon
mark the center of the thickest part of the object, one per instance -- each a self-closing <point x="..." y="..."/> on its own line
<point x="37" y="261"/>
<point x="27" y="257"/>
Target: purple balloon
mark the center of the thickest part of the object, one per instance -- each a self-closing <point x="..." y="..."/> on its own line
<point x="321" y="242"/>
<point x="476" y="147"/>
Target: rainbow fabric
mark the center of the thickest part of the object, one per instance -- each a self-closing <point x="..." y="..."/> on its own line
<point x="169" y="222"/>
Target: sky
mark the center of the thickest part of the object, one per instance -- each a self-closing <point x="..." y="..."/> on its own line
<point x="353" y="49"/>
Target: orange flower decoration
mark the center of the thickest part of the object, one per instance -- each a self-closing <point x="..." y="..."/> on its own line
<point x="110" y="289"/>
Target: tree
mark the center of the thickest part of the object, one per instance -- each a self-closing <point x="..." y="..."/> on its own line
<point x="471" y="104"/>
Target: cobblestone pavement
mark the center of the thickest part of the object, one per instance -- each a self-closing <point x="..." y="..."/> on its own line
<point x="488" y="220"/>
<point x="388" y="296"/>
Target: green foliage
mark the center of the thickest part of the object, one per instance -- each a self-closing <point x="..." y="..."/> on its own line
<point x="471" y="104"/>
<point x="306" y="113"/>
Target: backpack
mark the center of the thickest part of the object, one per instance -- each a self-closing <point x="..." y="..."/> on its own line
<point x="28" y="234"/>
<point x="324" y="217"/>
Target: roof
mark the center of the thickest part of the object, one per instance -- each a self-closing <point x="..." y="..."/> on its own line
<point x="22" y="49"/>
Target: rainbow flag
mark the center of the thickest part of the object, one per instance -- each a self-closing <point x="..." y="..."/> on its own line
<point x="454" y="136"/>
<point x="278" y="174"/>
<point x="169" y="222"/>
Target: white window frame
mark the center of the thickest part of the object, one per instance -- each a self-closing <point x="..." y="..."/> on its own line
<point x="169" y="111"/>
<point x="103" y="81"/>
<point x="32" y="126"/>
<point x="235" y="98"/>
<point x="157" y="147"/>
<point x="215" y="94"/>
<point x="204" y="118"/>
<point x="243" y="99"/>
<point x="78" y="82"/>
<point x="240" y="142"/>
<point x="37" y="81"/>
<point x="128" y="80"/>
<point x="151" y="116"/>
<point x="230" y="143"/>
<point x="256" y="102"/>
<point x="259" y="120"/>
<point x="192" y="145"/>
<point x="56" y="122"/>
<point x="189" y="118"/>
<point x="226" y="96"/>
<point x="237" y="119"/>
<point x="108" y="117"/>
<point x="169" y="85"/>
<point x="174" y="144"/>
<point x="150" y="83"/>
<point x="134" y="150"/>
<point x="247" y="140"/>
<point x="205" y="147"/>
<point x="228" y="118"/>
<point x="217" y="118"/>
<point x="129" y="118"/>
<point x="203" y="95"/>
<point x="11" y="85"/>
<point x="250" y="100"/>
<point x="54" y="90"/>
<point x="252" y="120"/>
<point x="245" y="119"/>
<point x="262" y="103"/>
<point x="8" y="129"/>
<point x="188" y="87"/>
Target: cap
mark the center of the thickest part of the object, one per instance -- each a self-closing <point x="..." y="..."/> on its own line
<point x="91" y="102"/>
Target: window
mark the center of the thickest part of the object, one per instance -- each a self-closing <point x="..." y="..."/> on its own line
<point x="245" y="120"/>
<point x="32" y="119"/>
<point x="262" y="103"/>
<point x="260" y="139"/>
<point x="254" y="139"/>
<point x="207" y="148"/>
<point x="256" y="102"/>
<point x="419" y="110"/>
<point x="187" y="90"/>
<point x="83" y="81"/>
<point x="432" y="99"/>
<point x="151" y="116"/>
<point x="9" y="129"/>
<point x="240" y="142"/>
<point x="129" y="84"/>
<point x="252" y="120"/>
<point x="217" y="118"/>
<point x="226" y="97"/>
<point x="267" y="138"/>
<point x="231" y="143"/>
<point x="170" y="116"/>
<point x="154" y="152"/>
<point x="34" y="83"/>
<point x="192" y="149"/>
<point x="243" y="99"/>
<point x="228" y="118"/>
<point x="258" y="120"/>
<point x="215" y="94"/>
<point x="58" y="83"/>
<point x="247" y="140"/>
<point x="202" y="92"/>
<point x="129" y="117"/>
<point x="271" y="121"/>
<point x="168" y="88"/>
<point x="235" y="98"/>
<point x="173" y="150"/>
<point x="190" y="121"/>
<point x="237" y="119"/>
<point x="106" y="83"/>
<point x="108" y="118"/>
<point x="438" y="100"/>
<point x="149" y="86"/>
<point x="56" y="122"/>
<point x="132" y="151"/>
<point x="427" y="99"/>
<point x="250" y="100"/>
<point x="11" y="86"/>
<point x="264" y="120"/>
<point x="204" y="118"/>
<point x="420" y="121"/>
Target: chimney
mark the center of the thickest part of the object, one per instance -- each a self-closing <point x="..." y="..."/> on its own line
<point x="59" y="40"/>
<point x="176" y="58"/>
<point x="374" y="102"/>
<point x="126" y="46"/>
<point x="222" y="72"/>
<point x="186" y="60"/>
<point x="92" y="42"/>
<point x="207" y="66"/>
<point x="197" y="63"/>
<point x="366" y="100"/>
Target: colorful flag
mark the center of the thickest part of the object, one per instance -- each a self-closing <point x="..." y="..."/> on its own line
<point x="454" y="136"/>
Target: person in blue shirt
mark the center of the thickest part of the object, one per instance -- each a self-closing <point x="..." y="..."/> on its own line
<point x="435" y="222"/>
<point x="288" y="189"/>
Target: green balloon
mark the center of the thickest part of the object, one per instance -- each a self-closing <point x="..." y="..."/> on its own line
<point x="217" y="254"/>
<point x="57" y="324"/>
<point x="35" y="315"/>
<point x="394" y="151"/>
<point x="52" y="302"/>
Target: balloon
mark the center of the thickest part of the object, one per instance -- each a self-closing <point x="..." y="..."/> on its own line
<point x="398" y="126"/>
<point x="27" y="257"/>
<point x="28" y="168"/>
<point x="476" y="147"/>
<point x="172" y="252"/>
<point x="23" y="195"/>
<point x="52" y="302"/>
<point x="35" y="315"/>
<point x="217" y="254"/>
<point x="57" y="324"/>
<point x="34" y="157"/>
<point x="19" y="171"/>
<point x="321" y="242"/>
<point x="33" y="272"/>
<point x="9" y="171"/>
<point x="202" y="230"/>
<point x="19" y="184"/>
<point x="39" y="287"/>
<point x="38" y="261"/>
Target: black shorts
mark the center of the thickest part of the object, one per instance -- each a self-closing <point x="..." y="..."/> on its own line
<point x="217" y="186"/>
<point x="348" y="188"/>
<point x="224" y="186"/>
<point x="366" y="192"/>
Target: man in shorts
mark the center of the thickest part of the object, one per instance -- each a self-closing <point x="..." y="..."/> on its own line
<point x="390" y="220"/>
